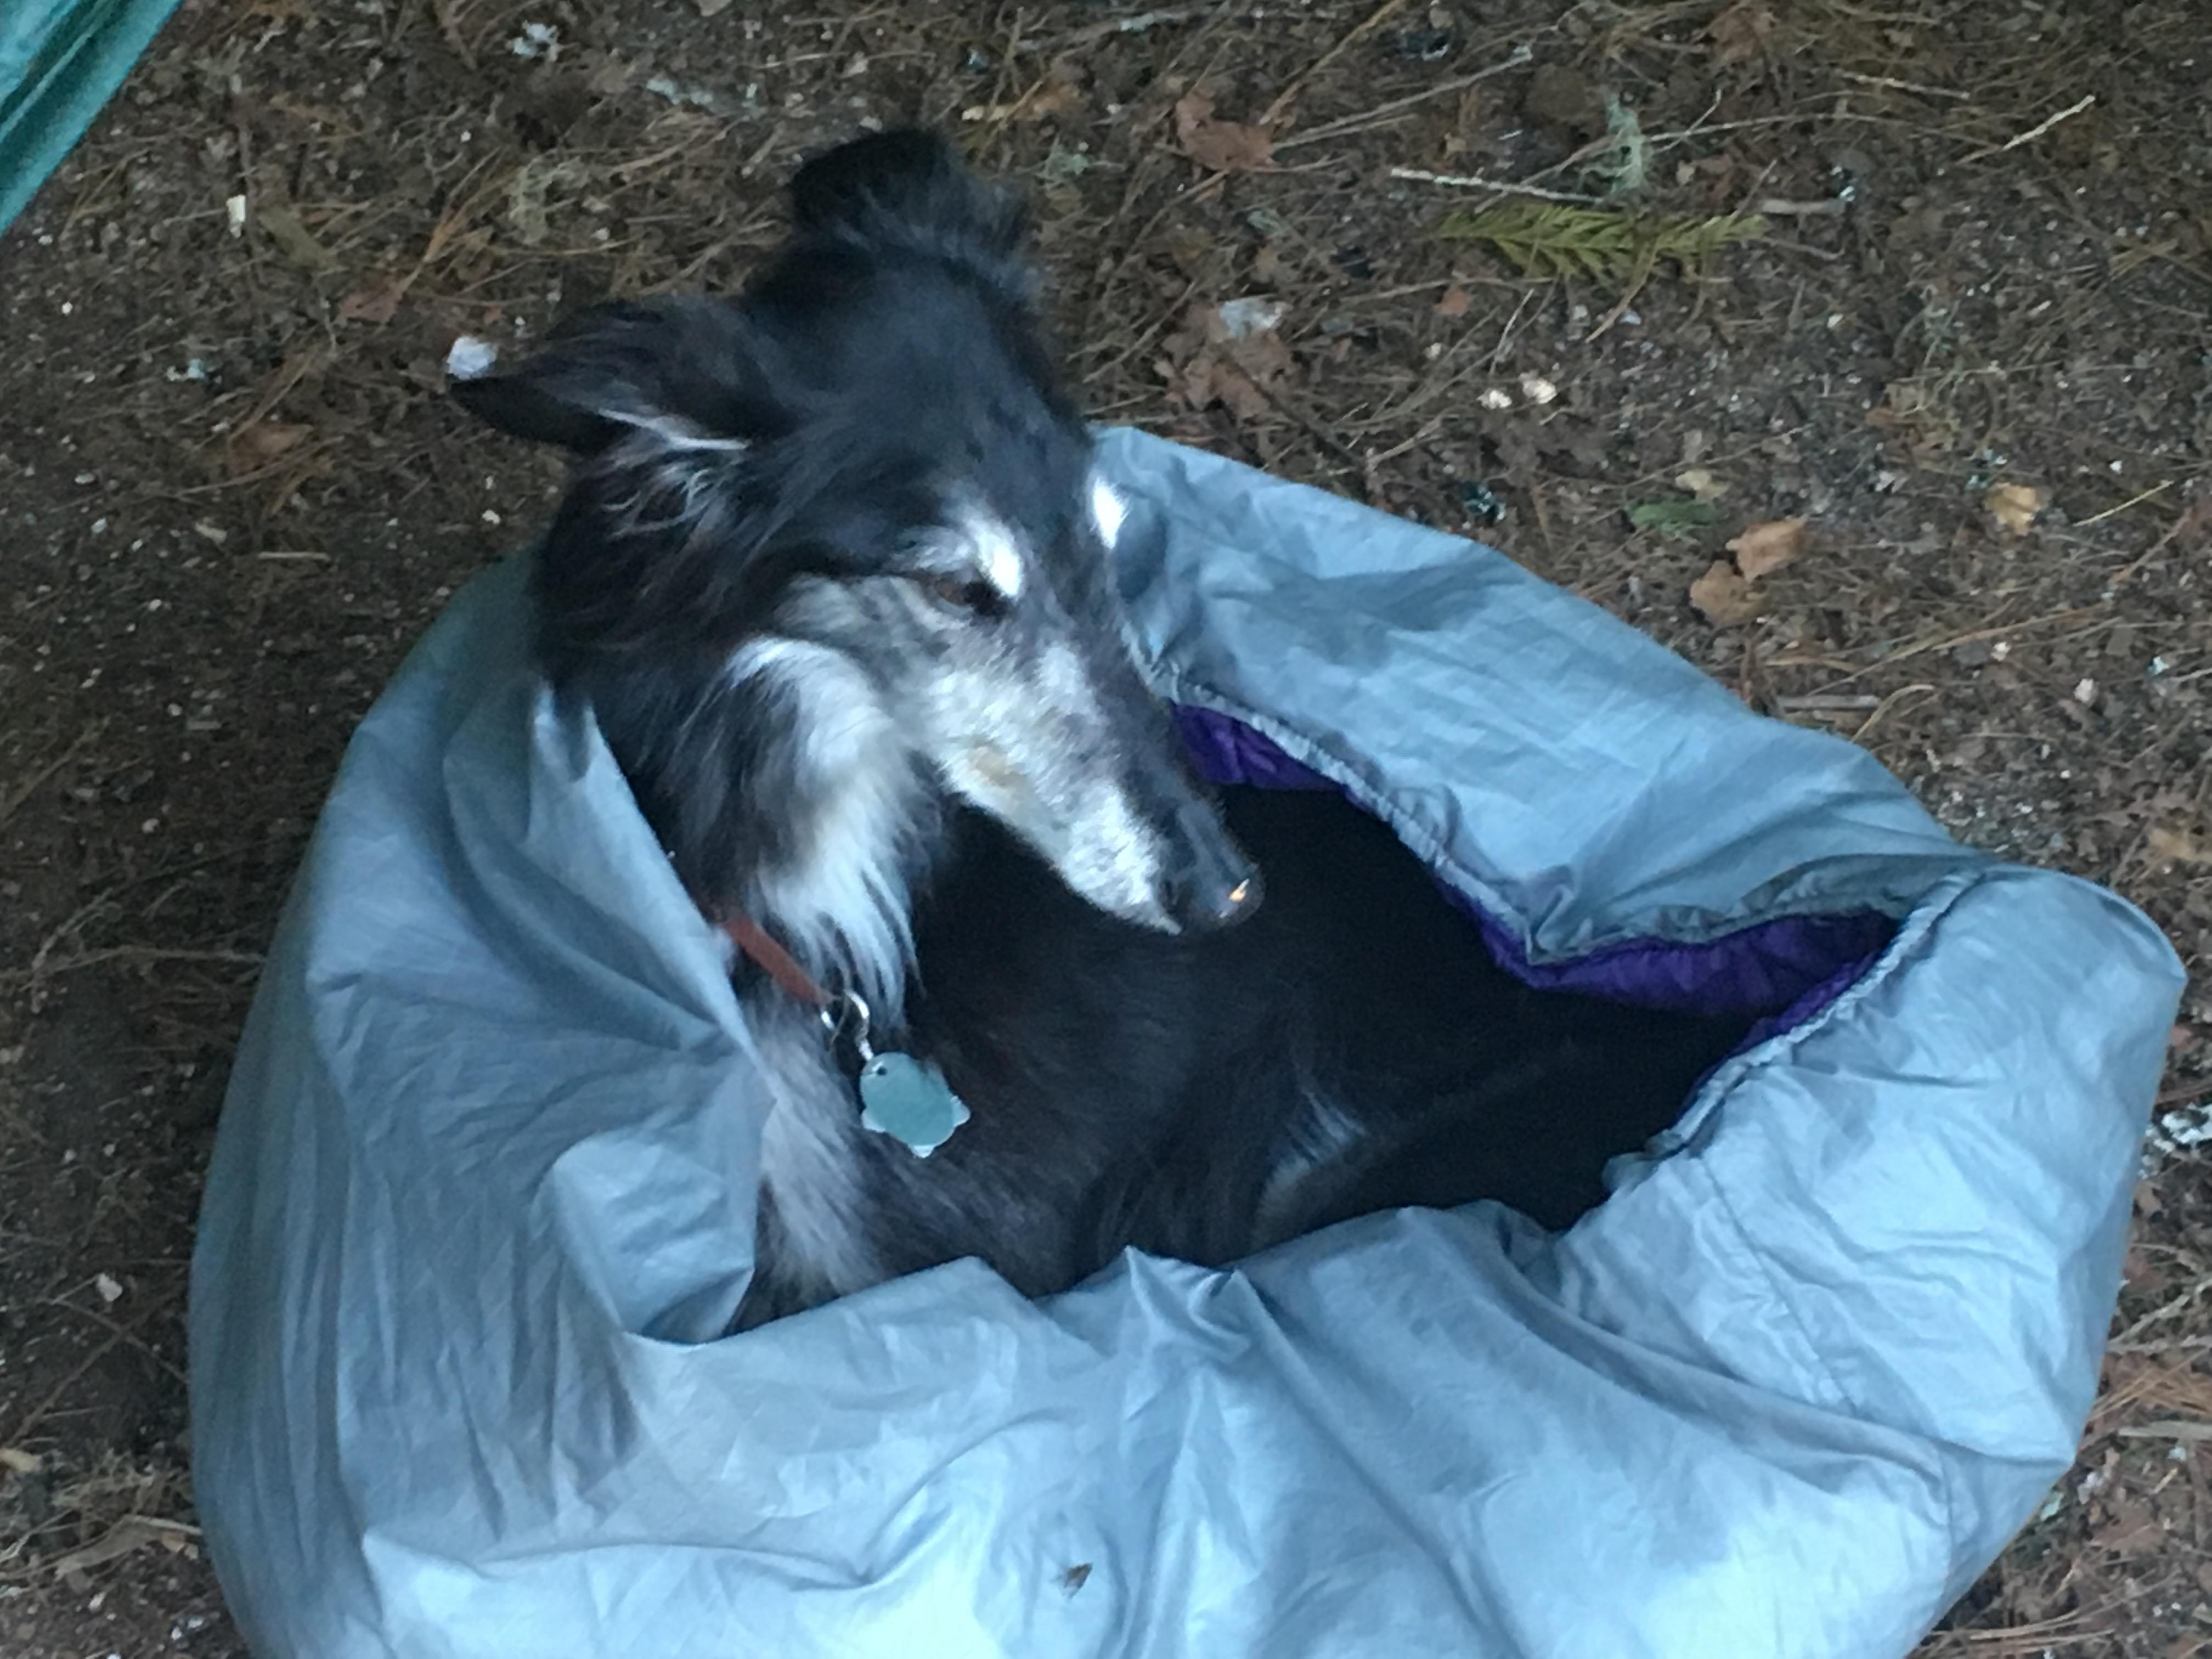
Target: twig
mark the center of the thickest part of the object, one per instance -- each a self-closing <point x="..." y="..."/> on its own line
<point x="1504" y="186"/>
<point x="1283" y="100"/>
<point x="1806" y="248"/>
<point x="2163" y="1345"/>
<point x="38" y="1414"/>
<point x="121" y="1330"/>
<point x="1892" y="83"/>
<point x="2174" y="1428"/>
<point x="2033" y="132"/>
<point x="1886" y="704"/>
<point x="1776" y="207"/>
<point x="2178" y="1303"/>
<point x="11" y="803"/>
<point x="2095" y="517"/>
<point x="448" y="15"/>
<point x="1948" y="640"/>
<point x="1515" y="59"/>
<point x="1646" y="263"/>
<point x="1816" y="704"/>
<point x="44" y="966"/>
<point x="1135" y="24"/>
<point x="138" y="953"/>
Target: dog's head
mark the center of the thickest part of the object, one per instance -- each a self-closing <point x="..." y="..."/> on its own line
<point x="859" y="496"/>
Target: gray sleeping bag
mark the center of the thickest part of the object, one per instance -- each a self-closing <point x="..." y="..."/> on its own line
<point x="483" y="1204"/>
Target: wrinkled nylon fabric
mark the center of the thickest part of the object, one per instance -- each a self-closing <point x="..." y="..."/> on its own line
<point x="483" y="1199"/>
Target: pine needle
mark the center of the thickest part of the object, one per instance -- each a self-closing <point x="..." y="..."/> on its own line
<point x="1547" y="240"/>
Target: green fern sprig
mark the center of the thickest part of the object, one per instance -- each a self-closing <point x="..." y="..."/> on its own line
<point x="1548" y="240"/>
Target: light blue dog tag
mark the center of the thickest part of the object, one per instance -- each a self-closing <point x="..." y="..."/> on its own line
<point x="909" y="1100"/>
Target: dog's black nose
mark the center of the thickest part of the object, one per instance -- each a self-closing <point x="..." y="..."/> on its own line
<point x="1210" y="883"/>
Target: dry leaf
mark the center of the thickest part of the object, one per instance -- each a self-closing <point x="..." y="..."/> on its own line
<point x="1240" y="394"/>
<point x="2177" y="847"/>
<point x="1738" y="31"/>
<point x="1219" y="146"/>
<point x="263" y="442"/>
<point x="1722" y="597"/>
<point x="374" y="301"/>
<point x="2014" y="506"/>
<point x="1678" y="521"/>
<point x="296" y="240"/>
<point x="1455" y="302"/>
<point x="125" y="1535"/>
<point x="1264" y="358"/>
<point x="1700" y="482"/>
<point x="1054" y="97"/>
<point x="1767" y="547"/>
<point x="16" y="1460"/>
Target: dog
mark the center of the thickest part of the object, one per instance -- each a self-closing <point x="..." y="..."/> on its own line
<point x="833" y="575"/>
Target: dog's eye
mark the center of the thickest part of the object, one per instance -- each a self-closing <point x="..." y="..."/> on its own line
<point x="966" y="594"/>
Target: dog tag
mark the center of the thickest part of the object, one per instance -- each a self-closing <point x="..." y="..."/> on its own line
<point x="909" y="1100"/>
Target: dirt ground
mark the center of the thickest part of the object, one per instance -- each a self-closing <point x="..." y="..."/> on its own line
<point x="1964" y="343"/>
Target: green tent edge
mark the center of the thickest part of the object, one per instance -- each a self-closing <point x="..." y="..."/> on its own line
<point x="60" y="61"/>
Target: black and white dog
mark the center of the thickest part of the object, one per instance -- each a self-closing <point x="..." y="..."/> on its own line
<point x="833" y="574"/>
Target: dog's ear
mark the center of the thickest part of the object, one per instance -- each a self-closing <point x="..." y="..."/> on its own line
<point x="909" y="191"/>
<point x="684" y="370"/>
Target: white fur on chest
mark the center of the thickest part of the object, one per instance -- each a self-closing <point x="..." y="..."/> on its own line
<point x="812" y="1166"/>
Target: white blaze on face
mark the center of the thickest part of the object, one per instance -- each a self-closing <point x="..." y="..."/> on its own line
<point x="985" y="541"/>
<point x="1030" y="745"/>
<point x="1113" y="859"/>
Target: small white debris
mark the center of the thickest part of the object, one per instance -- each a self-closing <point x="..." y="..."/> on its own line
<point x="2001" y="650"/>
<point x="234" y="210"/>
<point x="2182" y="1130"/>
<point x="194" y="369"/>
<point x="1496" y="398"/>
<point x="210" y="532"/>
<point x="110" y="1291"/>
<point x="2085" y="692"/>
<point x="2158" y="666"/>
<point x="536" y="40"/>
<point x="1538" y="390"/>
<point x="2191" y="1126"/>
<point x="149" y="827"/>
<point x="471" y="359"/>
<point x="490" y="517"/>
<point x="1241" y="318"/>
